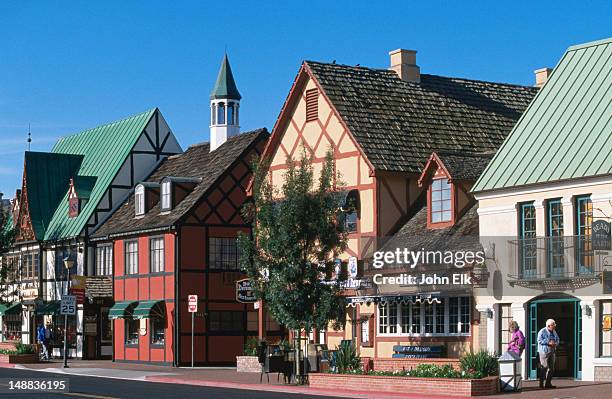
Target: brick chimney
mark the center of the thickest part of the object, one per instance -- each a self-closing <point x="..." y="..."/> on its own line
<point x="541" y="76"/>
<point x="403" y="62"/>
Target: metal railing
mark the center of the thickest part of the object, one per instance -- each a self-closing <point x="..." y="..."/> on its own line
<point x="562" y="257"/>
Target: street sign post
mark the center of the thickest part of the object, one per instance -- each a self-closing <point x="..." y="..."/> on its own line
<point x="192" y="306"/>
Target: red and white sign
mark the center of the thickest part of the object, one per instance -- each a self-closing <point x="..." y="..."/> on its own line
<point x="192" y="303"/>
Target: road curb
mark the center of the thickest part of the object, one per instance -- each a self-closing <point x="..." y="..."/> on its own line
<point x="295" y="389"/>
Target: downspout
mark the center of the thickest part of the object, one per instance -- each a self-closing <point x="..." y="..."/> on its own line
<point x="177" y="335"/>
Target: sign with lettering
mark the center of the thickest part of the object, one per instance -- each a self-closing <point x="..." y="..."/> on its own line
<point x="68" y="305"/>
<point x="601" y="235"/>
<point x="352" y="267"/>
<point x="244" y="291"/>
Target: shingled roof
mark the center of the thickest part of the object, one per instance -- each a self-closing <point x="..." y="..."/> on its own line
<point x="399" y="124"/>
<point x="465" y="166"/>
<point x="197" y="161"/>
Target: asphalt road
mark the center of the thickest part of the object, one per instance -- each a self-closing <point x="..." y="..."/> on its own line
<point x="105" y="388"/>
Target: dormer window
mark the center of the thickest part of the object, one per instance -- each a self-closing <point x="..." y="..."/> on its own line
<point x="441" y="201"/>
<point x="166" y="195"/>
<point x="139" y="200"/>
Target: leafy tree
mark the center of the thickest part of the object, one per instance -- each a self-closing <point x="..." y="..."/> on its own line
<point x="298" y="232"/>
<point x="7" y="266"/>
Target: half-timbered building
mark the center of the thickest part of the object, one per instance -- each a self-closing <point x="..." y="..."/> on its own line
<point x="176" y="236"/>
<point x="66" y="194"/>
<point x="382" y="125"/>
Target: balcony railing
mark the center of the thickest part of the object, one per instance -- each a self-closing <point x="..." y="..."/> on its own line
<point x="556" y="259"/>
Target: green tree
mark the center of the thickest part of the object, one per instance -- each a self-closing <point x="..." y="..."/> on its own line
<point x="297" y="233"/>
<point x="7" y="266"/>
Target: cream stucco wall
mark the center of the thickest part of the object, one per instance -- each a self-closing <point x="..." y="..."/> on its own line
<point x="499" y="224"/>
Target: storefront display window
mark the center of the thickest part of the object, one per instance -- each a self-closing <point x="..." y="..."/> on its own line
<point x="605" y="332"/>
<point x="131" y="331"/>
<point x="12" y="327"/>
<point x="158" y="331"/>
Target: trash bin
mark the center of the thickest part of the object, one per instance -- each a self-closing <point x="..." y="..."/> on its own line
<point x="510" y="371"/>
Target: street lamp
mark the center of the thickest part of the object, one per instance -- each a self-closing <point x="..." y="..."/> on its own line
<point x="68" y="265"/>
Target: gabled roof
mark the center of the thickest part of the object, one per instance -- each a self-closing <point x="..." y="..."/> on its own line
<point x="196" y="162"/>
<point x="398" y="124"/>
<point x="103" y="150"/>
<point x="225" y="86"/>
<point x="566" y="133"/>
<point x="457" y="166"/>
<point x="47" y="178"/>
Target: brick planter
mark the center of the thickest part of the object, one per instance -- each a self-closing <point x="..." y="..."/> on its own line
<point x="383" y="364"/>
<point x="429" y="386"/>
<point x="19" y="359"/>
<point x="247" y="364"/>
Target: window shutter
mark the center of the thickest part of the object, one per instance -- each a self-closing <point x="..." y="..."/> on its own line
<point x="371" y="332"/>
<point x="312" y="105"/>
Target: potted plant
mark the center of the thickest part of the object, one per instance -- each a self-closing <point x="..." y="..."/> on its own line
<point x="248" y="362"/>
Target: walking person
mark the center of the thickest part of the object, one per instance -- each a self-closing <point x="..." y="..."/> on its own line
<point x="40" y="337"/>
<point x="517" y="339"/>
<point x="548" y="340"/>
<point x="48" y="339"/>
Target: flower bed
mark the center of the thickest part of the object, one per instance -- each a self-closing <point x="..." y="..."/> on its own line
<point x="383" y="383"/>
<point x="382" y="364"/>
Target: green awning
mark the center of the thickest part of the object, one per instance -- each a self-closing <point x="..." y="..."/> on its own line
<point x="49" y="308"/>
<point x="122" y="310"/>
<point x="10" y="308"/>
<point x="149" y="309"/>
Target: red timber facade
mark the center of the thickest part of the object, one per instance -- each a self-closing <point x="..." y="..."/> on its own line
<point x="175" y="237"/>
<point x="382" y="126"/>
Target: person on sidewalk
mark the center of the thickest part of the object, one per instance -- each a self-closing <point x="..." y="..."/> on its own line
<point x="40" y="337"/>
<point x="548" y="340"/>
<point x="517" y="339"/>
<point x="48" y="339"/>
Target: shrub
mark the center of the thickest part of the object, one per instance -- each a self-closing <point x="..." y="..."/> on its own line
<point x="23" y="349"/>
<point x="479" y="364"/>
<point x="250" y="347"/>
<point x="347" y="359"/>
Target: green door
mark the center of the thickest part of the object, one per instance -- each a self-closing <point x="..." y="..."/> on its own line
<point x="533" y="340"/>
<point x="578" y="341"/>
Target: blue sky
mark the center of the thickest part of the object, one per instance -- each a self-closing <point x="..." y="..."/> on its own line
<point x="68" y="66"/>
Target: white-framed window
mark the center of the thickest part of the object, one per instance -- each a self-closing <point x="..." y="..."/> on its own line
<point x="441" y="202"/>
<point x="131" y="257"/>
<point x="449" y="316"/>
<point x="139" y="200"/>
<point x="156" y="254"/>
<point x="104" y="260"/>
<point x="166" y="195"/>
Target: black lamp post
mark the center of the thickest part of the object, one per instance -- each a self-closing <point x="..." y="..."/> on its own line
<point x="68" y="265"/>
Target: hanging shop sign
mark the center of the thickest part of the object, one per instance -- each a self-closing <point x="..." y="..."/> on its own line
<point x="244" y="291"/>
<point x="601" y="235"/>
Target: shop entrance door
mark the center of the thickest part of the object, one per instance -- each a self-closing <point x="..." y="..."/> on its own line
<point x="567" y="314"/>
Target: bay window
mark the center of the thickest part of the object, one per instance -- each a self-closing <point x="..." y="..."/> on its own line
<point x="446" y="316"/>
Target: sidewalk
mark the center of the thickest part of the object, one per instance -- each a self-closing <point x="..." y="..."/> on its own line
<point x="227" y="377"/>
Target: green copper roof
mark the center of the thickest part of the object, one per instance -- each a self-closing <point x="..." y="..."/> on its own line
<point x="566" y="132"/>
<point x="47" y="179"/>
<point x="103" y="150"/>
<point x="225" y="87"/>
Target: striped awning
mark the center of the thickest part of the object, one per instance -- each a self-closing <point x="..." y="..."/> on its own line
<point x="122" y="310"/>
<point x="49" y="308"/>
<point x="150" y="309"/>
<point x="10" y="308"/>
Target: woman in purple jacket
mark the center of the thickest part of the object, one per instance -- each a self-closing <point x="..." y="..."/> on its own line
<point x="517" y="339"/>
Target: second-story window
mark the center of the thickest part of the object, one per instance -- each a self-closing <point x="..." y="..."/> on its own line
<point x="223" y="253"/>
<point x="139" y="200"/>
<point x="555" y="241"/>
<point x="157" y="254"/>
<point x="441" y="201"/>
<point x="527" y="241"/>
<point x="166" y="195"/>
<point x="104" y="260"/>
<point x="584" y="249"/>
<point x="131" y="257"/>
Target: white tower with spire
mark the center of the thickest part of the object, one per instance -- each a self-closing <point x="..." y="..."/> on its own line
<point x="224" y="105"/>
